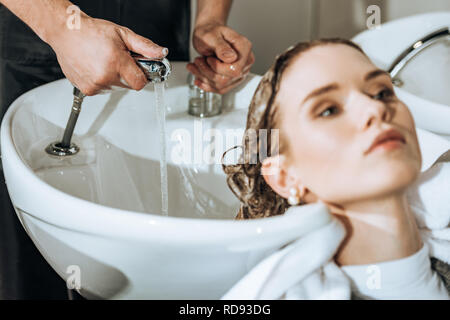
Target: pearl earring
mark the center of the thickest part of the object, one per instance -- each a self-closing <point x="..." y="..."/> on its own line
<point x="294" y="198"/>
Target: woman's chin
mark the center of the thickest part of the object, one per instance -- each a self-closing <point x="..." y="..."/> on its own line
<point x="396" y="178"/>
<point x="375" y="184"/>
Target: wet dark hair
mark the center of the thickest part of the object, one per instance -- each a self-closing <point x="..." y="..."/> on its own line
<point x="245" y="180"/>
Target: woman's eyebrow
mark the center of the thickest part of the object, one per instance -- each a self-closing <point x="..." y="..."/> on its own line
<point x="335" y="86"/>
<point x="321" y="90"/>
<point x="376" y="73"/>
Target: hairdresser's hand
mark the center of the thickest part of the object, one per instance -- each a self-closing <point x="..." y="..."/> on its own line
<point x="226" y="57"/>
<point x="96" y="56"/>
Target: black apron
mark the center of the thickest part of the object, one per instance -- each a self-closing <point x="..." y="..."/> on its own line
<point x="27" y="62"/>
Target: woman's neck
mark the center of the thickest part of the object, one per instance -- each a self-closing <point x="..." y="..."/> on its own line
<point x="377" y="230"/>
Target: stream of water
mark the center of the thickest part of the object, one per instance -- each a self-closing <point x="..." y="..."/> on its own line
<point x="161" y="117"/>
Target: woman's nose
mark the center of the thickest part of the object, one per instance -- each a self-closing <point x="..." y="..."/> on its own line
<point x="375" y="112"/>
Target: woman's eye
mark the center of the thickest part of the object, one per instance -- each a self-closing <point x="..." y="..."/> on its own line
<point x="384" y="94"/>
<point x="329" y="111"/>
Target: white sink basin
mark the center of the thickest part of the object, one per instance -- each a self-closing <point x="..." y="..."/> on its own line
<point x="425" y="88"/>
<point x="99" y="211"/>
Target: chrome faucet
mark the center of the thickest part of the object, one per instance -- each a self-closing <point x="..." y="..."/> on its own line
<point x="156" y="70"/>
<point x="413" y="50"/>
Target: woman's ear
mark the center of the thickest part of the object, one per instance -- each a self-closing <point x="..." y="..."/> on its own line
<point x="281" y="178"/>
<point x="275" y="174"/>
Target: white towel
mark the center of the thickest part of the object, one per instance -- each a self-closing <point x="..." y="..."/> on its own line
<point x="429" y="197"/>
<point x="432" y="147"/>
<point x="303" y="262"/>
<point x="326" y="283"/>
<point x="304" y="269"/>
<point x="438" y="242"/>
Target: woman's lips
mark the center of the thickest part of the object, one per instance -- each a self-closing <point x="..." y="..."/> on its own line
<point x="389" y="145"/>
<point x="387" y="140"/>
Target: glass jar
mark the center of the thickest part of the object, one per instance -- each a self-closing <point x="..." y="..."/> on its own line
<point x="203" y="104"/>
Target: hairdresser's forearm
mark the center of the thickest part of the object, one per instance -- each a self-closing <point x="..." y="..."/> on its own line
<point x="213" y="11"/>
<point x="45" y="17"/>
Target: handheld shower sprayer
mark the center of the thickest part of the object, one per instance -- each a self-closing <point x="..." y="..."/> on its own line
<point x="156" y="70"/>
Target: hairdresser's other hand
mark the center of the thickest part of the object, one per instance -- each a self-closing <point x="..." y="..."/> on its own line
<point x="96" y="56"/>
<point x="226" y="57"/>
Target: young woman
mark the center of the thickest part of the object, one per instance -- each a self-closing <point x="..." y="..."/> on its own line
<point x="346" y="140"/>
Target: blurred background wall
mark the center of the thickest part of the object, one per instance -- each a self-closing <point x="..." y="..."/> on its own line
<point x="274" y="25"/>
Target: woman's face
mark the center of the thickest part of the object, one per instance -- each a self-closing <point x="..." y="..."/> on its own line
<point x="349" y="138"/>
